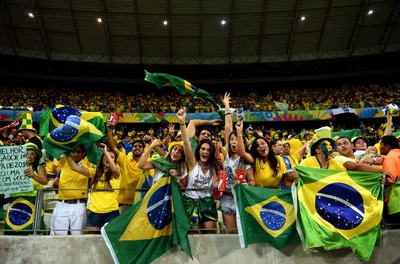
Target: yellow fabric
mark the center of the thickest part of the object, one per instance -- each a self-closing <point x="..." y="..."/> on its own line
<point x="313" y="162"/>
<point x="72" y="179"/>
<point x="263" y="173"/>
<point x="129" y="178"/>
<point x="50" y="168"/>
<point x="294" y="158"/>
<point x="295" y="145"/>
<point x="103" y="201"/>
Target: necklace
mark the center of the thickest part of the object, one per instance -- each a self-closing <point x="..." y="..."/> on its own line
<point x="202" y="166"/>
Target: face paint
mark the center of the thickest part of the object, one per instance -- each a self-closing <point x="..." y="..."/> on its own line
<point x="326" y="148"/>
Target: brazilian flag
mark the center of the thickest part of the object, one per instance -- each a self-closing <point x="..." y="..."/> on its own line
<point x="266" y="216"/>
<point x="75" y="131"/>
<point x="151" y="227"/>
<point x="184" y="87"/>
<point x="56" y="117"/>
<point x="340" y="209"/>
<point x="20" y="216"/>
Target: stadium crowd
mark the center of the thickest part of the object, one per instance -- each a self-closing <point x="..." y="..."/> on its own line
<point x="140" y="101"/>
<point x="195" y="152"/>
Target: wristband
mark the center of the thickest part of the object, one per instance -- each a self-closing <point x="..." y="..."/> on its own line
<point x="182" y="124"/>
<point x="227" y="114"/>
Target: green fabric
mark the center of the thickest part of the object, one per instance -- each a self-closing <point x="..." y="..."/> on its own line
<point x="163" y="164"/>
<point x="86" y="134"/>
<point x="340" y="209"/>
<point x="392" y="194"/>
<point x="347" y="133"/>
<point x="266" y="216"/>
<point x="183" y="86"/>
<point x="151" y="227"/>
<point x="200" y="210"/>
<point x="193" y="143"/>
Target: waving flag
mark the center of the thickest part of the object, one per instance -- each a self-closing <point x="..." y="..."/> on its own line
<point x="266" y="216"/>
<point x="151" y="227"/>
<point x="56" y="117"/>
<point x="183" y="86"/>
<point x="66" y="138"/>
<point x="281" y="106"/>
<point x="340" y="209"/>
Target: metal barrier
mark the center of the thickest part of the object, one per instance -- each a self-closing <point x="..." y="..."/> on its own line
<point x="39" y="202"/>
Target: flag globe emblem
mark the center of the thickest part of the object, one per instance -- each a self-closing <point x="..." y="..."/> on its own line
<point x="68" y="131"/>
<point x="343" y="209"/>
<point x="356" y="202"/>
<point x="159" y="208"/>
<point x="273" y="215"/>
<point x="391" y="109"/>
<point x="20" y="214"/>
<point x="61" y="114"/>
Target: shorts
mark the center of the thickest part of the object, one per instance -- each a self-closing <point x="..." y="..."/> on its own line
<point x="99" y="220"/>
<point x="227" y="204"/>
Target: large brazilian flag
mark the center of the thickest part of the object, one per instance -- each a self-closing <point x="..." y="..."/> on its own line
<point x="67" y="137"/>
<point x="151" y="227"/>
<point x="340" y="209"/>
<point x="266" y="216"/>
<point x="56" y="117"/>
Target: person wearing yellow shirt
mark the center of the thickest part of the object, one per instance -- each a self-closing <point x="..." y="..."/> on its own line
<point x="104" y="183"/>
<point x="70" y="210"/>
<point x="321" y="156"/>
<point x="131" y="173"/>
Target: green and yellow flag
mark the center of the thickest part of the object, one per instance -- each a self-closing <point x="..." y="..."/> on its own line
<point x="56" y="117"/>
<point x="67" y="137"/>
<point x="151" y="227"/>
<point x="266" y="216"/>
<point x="184" y="87"/>
<point x="340" y="209"/>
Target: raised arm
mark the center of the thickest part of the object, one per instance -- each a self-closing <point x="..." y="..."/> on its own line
<point x="110" y="140"/>
<point x="241" y="151"/>
<point x="170" y="136"/>
<point x="389" y="123"/>
<point x="114" y="170"/>
<point x="143" y="163"/>
<point x="228" y="118"/>
<point x="75" y="167"/>
<point x="191" y="129"/>
<point x="190" y="157"/>
<point x="158" y="148"/>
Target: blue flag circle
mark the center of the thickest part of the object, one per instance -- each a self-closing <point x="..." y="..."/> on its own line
<point x="20" y="214"/>
<point x="341" y="205"/>
<point x="159" y="207"/>
<point x="273" y="215"/>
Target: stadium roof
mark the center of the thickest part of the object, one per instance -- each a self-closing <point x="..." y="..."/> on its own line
<point x="192" y="32"/>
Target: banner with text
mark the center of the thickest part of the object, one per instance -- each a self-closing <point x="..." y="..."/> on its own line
<point x="13" y="162"/>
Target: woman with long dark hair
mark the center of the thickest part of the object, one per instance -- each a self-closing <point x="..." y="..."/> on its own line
<point x="269" y="168"/>
<point x="237" y="161"/>
<point x="202" y="167"/>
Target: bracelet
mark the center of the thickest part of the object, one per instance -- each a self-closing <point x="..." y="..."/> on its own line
<point x="182" y="124"/>
<point x="227" y="114"/>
